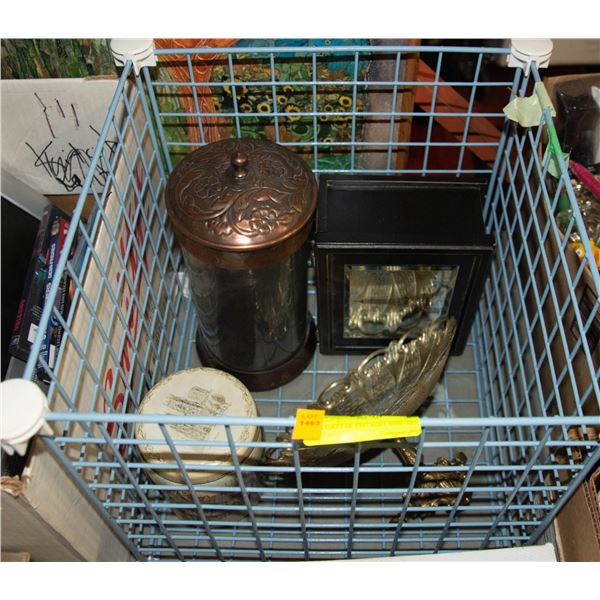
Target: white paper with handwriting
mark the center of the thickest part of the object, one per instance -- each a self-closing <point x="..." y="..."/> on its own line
<point x="50" y="128"/>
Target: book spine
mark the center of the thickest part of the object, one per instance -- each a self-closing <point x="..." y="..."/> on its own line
<point x="53" y="329"/>
<point x="62" y="296"/>
<point x="18" y="345"/>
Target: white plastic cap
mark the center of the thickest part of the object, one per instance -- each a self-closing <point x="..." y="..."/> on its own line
<point x="139" y="51"/>
<point x="525" y="51"/>
<point x="23" y="407"/>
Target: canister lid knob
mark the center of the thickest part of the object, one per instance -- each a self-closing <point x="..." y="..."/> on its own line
<point x="239" y="162"/>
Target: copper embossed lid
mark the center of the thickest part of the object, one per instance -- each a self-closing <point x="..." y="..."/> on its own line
<point x="241" y="203"/>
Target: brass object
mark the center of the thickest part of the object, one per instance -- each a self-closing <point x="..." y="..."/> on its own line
<point x="396" y="380"/>
<point x="392" y="381"/>
<point x="449" y="479"/>
<point x="384" y="301"/>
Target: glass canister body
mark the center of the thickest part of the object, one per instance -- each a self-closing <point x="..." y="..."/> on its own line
<point x="251" y="321"/>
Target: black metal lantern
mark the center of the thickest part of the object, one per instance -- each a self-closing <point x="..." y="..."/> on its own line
<point x="393" y="253"/>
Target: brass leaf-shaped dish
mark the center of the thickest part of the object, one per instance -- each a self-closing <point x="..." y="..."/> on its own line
<point x="392" y="381"/>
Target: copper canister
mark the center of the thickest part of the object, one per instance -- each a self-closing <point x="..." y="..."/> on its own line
<point x="242" y="211"/>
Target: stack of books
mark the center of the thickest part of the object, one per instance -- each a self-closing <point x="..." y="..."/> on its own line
<point x="41" y="273"/>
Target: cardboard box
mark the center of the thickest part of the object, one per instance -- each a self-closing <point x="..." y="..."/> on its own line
<point x="578" y="526"/>
<point x="592" y="493"/>
<point x="45" y="514"/>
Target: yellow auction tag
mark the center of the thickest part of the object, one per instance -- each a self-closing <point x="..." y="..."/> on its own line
<point x="309" y="423"/>
<point x="332" y="429"/>
<point x="580" y="251"/>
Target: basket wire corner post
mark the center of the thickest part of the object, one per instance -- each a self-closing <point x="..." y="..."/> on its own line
<point x="519" y="404"/>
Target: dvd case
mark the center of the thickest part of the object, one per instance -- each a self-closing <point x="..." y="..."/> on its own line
<point x="32" y="300"/>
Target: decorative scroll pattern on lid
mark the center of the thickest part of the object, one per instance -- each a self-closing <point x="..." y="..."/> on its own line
<point x="241" y="194"/>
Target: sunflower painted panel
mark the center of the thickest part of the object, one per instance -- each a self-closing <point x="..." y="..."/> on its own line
<point x="314" y="104"/>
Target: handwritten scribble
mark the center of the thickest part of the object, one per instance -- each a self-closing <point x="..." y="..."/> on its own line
<point x="75" y="115"/>
<point x="71" y="170"/>
<point x="60" y="108"/>
<point x="45" y="109"/>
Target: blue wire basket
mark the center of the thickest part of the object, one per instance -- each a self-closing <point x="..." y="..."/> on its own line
<point x="519" y="405"/>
